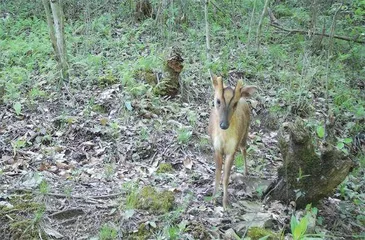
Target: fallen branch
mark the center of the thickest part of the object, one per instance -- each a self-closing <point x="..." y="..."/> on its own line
<point x="274" y="22"/>
<point x="318" y="34"/>
<point x="113" y="195"/>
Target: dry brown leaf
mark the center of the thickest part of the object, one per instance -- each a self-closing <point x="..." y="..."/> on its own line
<point x="188" y="163"/>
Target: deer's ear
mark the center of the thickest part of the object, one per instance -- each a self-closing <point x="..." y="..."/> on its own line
<point x="217" y="82"/>
<point x="238" y="87"/>
<point x="247" y="91"/>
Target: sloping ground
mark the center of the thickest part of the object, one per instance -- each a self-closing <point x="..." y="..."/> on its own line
<point x="87" y="160"/>
<point x="81" y="150"/>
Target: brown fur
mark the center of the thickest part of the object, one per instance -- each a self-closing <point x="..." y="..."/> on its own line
<point x="229" y="109"/>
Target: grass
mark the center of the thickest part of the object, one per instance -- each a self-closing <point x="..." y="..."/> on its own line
<point x="108" y="232"/>
<point x="184" y="135"/>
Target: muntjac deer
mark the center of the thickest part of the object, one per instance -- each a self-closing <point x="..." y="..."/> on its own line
<point x="228" y="128"/>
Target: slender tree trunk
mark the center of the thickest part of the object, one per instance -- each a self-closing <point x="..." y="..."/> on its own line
<point x="51" y="29"/>
<point x="258" y="33"/>
<point x="58" y="20"/>
<point x="207" y="35"/>
<point x="55" y="22"/>
<point x="251" y="20"/>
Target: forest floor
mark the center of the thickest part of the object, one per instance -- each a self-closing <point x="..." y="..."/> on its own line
<point x="75" y="157"/>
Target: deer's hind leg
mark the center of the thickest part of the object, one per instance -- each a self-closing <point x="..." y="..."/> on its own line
<point x="243" y="146"/>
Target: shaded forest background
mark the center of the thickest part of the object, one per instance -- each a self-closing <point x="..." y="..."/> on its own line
<point x="77" y="153"/>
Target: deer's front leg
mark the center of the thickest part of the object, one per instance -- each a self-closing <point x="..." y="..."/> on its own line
<point x="227" y="172"/>
<point x="218" y="157"/>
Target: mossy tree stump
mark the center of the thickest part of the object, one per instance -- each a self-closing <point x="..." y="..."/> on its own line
<point x="143" y="10"/>
<point x="170" y="85"/>
<point x="306" y="177"/>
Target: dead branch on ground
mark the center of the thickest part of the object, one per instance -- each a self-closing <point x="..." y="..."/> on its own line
<point x="275" y="24"/>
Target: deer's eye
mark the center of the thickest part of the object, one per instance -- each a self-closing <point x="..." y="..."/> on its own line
<point x="235" y="105"/>
<point x="218" y="102"/>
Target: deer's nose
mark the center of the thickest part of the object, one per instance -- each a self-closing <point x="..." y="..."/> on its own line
<point x="224" y="125"/>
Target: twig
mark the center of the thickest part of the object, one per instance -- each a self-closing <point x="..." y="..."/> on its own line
<point x="85" y="197"/>
<point x="273" y="19"/>
<point x="207" y="36"/>
<point x="292" y="31"/>
<point x="327" y="121"/>
<point x="269" y="192"/>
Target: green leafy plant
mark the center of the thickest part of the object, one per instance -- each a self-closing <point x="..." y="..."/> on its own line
<point x="342" y="142"/>
<point x="132" y="196"/>
<point x="108" y="232"/>
<point x="44" y="187"/>
<point x="300" y="175"/>
<point x="18" y="144"/>
<point x="109" y="170"/>
<point x="143" y="134"/>
<point x="299" y="227"/>
<point x="184" y="135"/>
<point x="239" y="163"/>
<point x="18" y="108"/>
<point x="320" y="131"/>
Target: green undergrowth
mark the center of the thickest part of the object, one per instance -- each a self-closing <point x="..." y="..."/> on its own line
<point x="21" y="217"/>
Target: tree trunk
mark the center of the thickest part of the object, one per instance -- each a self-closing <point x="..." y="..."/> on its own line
<point x="207" y="41"/>
<point x="51" y="28"/>
<point x="55" y="22"/>
<point x="307" y="177"/>
<point x="58" y="20"/>
<point x="259" y="27"/>
<point x="143" y="10"/>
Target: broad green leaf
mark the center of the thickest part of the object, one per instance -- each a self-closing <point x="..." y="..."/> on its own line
<point x="340" y="145"/>
<point x="293" y="223"/>
<point x="320" y="131"/>
<point x="314" y="211"/>
<point x="347" y="140"/>
<point x="301" y="228"/>
<point x="18" y="108"/>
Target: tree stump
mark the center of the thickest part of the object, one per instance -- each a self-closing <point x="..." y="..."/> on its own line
<point x="170" y="85"/>
<point x="306" y="177"/>
<point x="143" y="10"/>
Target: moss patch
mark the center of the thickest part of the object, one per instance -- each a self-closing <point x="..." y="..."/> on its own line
<point x="159" y="202"/>
<point x="144" y="232"/>
<point x="257" y="233"/>
<point x="21" y="218"/>
<point x="165" y="168"/>
<point x="107" y="79"/>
